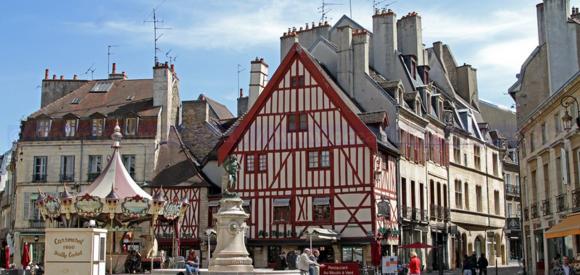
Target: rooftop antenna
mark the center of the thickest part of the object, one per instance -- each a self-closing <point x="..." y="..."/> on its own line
<point x="324" y="10"/>
<point x="377" y="4"/>
<point x="170" y="57"/>
<point x="109" y="53"/>
<point x="156" y="37"/>
<point x="240" y="69"/>
<point x="91" y="69"/>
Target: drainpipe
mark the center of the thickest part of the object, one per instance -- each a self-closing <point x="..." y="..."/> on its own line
<point x="398" y="172"/>
<point x="522" y="227"/>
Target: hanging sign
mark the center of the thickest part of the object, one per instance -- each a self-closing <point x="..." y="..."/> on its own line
<point x="172" y="210"/>
<point x="88" y="205"/>
<point x="135" y="206"/>
<point x="52" y="206"/>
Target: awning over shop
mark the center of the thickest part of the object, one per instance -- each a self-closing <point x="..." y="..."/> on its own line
<point x="569" y="226"/>
<point x="324" y="234"/>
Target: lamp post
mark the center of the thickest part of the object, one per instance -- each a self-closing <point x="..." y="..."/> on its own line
<point x="567" y="118"/>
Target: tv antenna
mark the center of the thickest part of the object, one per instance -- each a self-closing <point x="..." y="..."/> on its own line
<point x="377" y="4"/>
<point x="170" y="57"/>
<point x="91" y="69"/>
<point x="324" y="10"/>
<point x="240" y="69"/>
<point x="109" y="53"/>
<point x="156" y="37"/>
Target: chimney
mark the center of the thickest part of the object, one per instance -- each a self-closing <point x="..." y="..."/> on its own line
<point x="115" y="75"/>
<point x="360" y="48"/>
<point x="46" y="74"/>
<point x="541" y="23"/>
<point x="53" y="77"/>
<point x="165" y="93"/>
<point x="345" y="59"/>
<point x="410" y="36"/>
<point x="53" y="89"/>
<point x="287" y="41"/>
<point x="258" y="79"/>
<point x="75" y="77"/>
<point x="242" y="103"/>
<point x="61" y="77"/>
<point x="467" y="84"/>
<point x="385" y="43"/>
<point x="438" y="49"/>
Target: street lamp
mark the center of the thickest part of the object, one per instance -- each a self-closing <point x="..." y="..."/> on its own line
<point x="567" y="118"/>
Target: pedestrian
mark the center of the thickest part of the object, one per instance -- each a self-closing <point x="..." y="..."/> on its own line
<point x="414" y="264"/>
<point x="467" y="265"/>
<point x="566" y="268"/>
<point x="6" y="254"/>
<point x="314" y="257"/>
<point x="192" y="263"/>
<point x="291" y="259"/>
<point x="482" y="264"/>
<point x="304" y="262"/>
<point x="281" y="263"/>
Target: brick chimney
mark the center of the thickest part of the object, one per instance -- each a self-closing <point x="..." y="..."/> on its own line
<point x="410" y="37"/>
<point x="114" y="75"/>
<point x="385" y="43"/>
<point x="258" y="79"/>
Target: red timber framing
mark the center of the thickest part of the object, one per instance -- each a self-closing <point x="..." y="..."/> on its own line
<point x="342" y="196"/>
<point x="189" y="226"/>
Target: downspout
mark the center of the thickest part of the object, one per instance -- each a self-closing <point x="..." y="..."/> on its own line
<point x="81" y="168"/>
<point x="487" y="191"/>
<point x="522" y="227"/>
<point x="398" y="175"/>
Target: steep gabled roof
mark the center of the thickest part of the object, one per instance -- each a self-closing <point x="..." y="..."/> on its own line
<point x="334" y="93"/>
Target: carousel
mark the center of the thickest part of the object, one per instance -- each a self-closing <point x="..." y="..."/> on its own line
<point x="116" y="203"/>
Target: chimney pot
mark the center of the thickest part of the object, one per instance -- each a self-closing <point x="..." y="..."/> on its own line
<point x="61" y="77"/>
<point x="313" y="25"/>
<point x="46" y="74"/>
<point x="241" y="92"/>
<point x="166" y="64"/>
<point x="114" y="70"/>
<point x="75" y="77"/>
<point x="53" y="77"/>
<point x="307" y="26"/>
<point x="173" y="67"/>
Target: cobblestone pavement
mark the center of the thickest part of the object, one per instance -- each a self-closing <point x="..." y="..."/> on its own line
<point x="512" y="270"/>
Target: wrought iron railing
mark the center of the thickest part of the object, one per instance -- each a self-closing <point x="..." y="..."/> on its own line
<point x="446" y="214"/>
<point x="433" y="209"/>
<point x="512" y="189"/>
<point x="534" y="211"/>
<point x="36" y="224"/>
<point x="546" y="209"/>
<point x="67" y="177"/>
<point x="576" y="198"/>
<point x="39" y="177"/>
<point x="92" y="176"/>
<point x="561" y="202"/>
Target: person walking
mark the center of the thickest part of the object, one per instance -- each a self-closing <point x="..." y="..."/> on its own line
<point x="482" y="264"/>
<point x="304" y="262"/>
<point x="414" y="264"/>
<point x="566" y="268"/>
<point x="281" y="263"/>
<point x="467" y="265"/>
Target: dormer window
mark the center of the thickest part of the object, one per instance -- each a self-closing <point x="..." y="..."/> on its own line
<point x="70" y="128"/>
<point x="130" y="126"/>
<point x="98" y="124"/>
<point x="43" y="127"/>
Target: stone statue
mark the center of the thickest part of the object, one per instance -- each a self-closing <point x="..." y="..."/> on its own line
<point x="231" y="165"/>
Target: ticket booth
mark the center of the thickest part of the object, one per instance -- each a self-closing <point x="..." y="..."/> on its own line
<point x="75" y="251"/>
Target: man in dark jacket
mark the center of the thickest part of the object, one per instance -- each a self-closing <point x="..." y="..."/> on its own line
<point x="482" y="264"/>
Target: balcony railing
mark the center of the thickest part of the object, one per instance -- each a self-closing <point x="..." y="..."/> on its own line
<point x="433" y="209"/>
<point x="424" y="216"/>
<point x="546" y="210"/>
<point x="36" y="224"/>
<point x="446" y="214"/>
<point x="67" y="177"/>
<point x="534" y="211"/>
<point x="526" y="213"/>
<point x="512" y="189"/>
<point x="39" y="177"/>
<point x="561" y="202"/>
<point x="92" y="176"/>
<point x="415" y="214"/>
<point x="576" y="199"/>
<point x="407" y="212"/>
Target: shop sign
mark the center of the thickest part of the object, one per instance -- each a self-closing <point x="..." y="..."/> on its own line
<point x="135" y="207"/>
<point x="513" y="224"/>
<point x="340" y="269"/>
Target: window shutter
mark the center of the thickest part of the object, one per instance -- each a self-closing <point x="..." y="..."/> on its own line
<point x="564" y="165"/>
<point x="26" y="206"/>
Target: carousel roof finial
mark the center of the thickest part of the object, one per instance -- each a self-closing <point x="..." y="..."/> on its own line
<point x="158" y="197"/>
<point x="112" y="195"/>
<point x="65" y="194"/>
<point x="117" y="136"/>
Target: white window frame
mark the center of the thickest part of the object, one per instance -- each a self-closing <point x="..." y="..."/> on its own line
<point x="70" y="127"/>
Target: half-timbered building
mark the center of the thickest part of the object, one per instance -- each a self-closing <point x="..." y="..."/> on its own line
<point x="312" y="158"/>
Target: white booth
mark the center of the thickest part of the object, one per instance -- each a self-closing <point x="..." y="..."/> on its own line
<point x="75" y="251"/>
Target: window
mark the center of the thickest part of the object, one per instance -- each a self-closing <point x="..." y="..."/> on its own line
<point x="319" y="159"/>
<point x="456" y="150"/>
<point x="543" y="127"/>
<point x="466" y="192"/>
<point x="297" y="122"/>
<point x="352" y="254"/>
<point x="532" y="147"/>
<point x="476" y="157"/>
<point x="95" y="163"/>
<point x="97" y="127"/>
<point x="496" y="200"/>
<point x="70" y="128"/>
<point x="565" y="166"/>
<point x="130" y="126"/>
<point x="430" y="143"/>
<point x="495" y="164"/>
<point x="404" y="192"/>
<point x="458" y="195"/>
<point x="67" y="168"/>
<point x="297" y="81"/>
<point x="129" y="162"/>
<point x="281" y="210"/>
<point x="478" y="198"/>
<point x="321" y="209"/>
<point x="465" y="159"/>
<point x="432" y="193"/>
<point x="508" y="211"/>
<point x="557" y="124"/>
<point x="43" y="127"/>
<point x="256" y="163"/>
<point x="213" y="209"/>
<point x="507" y="178"/>
<point x="39" y="172"/>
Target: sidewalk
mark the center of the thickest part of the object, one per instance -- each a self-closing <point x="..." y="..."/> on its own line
<point x="502" y="270"/>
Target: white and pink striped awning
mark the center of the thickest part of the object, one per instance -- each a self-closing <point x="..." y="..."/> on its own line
<point x="115" y="177"/>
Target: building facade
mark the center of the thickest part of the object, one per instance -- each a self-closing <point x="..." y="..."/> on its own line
<point x="548" y="152"/>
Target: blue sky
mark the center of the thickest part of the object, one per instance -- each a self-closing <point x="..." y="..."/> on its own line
<point x="209" y="39"/>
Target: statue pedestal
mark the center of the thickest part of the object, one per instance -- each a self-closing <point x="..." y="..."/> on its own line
<point x="230" y="254"/>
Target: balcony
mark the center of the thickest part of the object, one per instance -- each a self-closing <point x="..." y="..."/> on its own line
<point x="36" y="223"/>
<point x="39" y="177"/>
<point x="92" y="176"/>
<point x="512" y="190"/>
<point x="546" y="209"/>
<point x="561" y="203"/>
<point x="534" y="211"/>
<point x="66" y="177"/>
